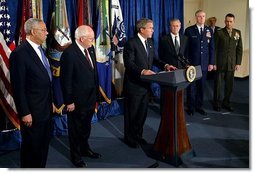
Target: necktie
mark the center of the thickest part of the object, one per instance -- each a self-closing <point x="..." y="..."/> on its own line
<point x="230" y="33"/>
<point x="147" y="50"/>
<point x="87" y="58"/>
<point x="201" y="31"/>
<point x="45" y="63"/>
<point x="176" y="45"/>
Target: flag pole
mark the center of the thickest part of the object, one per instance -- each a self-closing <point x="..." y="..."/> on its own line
<point x="112" y="45"/>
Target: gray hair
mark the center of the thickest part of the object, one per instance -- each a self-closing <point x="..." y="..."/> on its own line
<point x="31" y="24"/>
<point x="82" y="30"/>
<point x="142" y="23"/>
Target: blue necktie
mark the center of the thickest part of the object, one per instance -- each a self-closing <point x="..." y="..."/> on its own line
<point x="45" y="63"/>
<point x="201" y="31"/>
<point x="147" y="50"/>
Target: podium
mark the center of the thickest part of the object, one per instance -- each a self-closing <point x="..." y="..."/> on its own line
<point x="172" y="141"/>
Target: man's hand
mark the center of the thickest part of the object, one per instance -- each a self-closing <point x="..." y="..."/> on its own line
<point x="71" y="107"/>
<point x="170" y="67"/>
<point x="237" y="67"/>
<point x="210" y="67"/>
<point x="27" y="120"/>
<point x="147" y="72"/>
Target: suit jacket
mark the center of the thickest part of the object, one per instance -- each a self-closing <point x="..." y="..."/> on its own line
<point x="79" y="80"/>
<point x="216" y="29"/>
<point x="135" y="60"/>
<point x="229" y="50"/>
<point x="30" y="83"/>
<point x="167" y="52"/>
<point x="201" y="47"/>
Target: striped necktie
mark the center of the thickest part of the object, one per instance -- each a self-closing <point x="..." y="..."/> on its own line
<point x="87" y="58"/>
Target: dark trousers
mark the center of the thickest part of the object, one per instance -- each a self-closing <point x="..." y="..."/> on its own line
<point x="79" y="129"/>
<point x="35" y="145"/>
<point x="135" y="112"/>
<point x="195" y="93"/>
<point x="228" y="78"/>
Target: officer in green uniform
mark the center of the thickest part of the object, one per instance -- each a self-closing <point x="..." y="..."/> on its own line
<point x="228" y="57"/>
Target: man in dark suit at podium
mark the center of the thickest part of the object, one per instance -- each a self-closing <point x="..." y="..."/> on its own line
<point x="139" y="56"/>
<point x="201" y="52"/>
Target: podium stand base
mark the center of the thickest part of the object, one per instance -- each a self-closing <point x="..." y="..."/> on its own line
<point x="172" y="160"/>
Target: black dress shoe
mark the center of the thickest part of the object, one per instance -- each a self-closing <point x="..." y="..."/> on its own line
<point x="91" y="154"/>
<point x="201" y="111"/>
<point x="142" y="141"/>
<point x="217" y="108"/>
<point x="190" y="112"/>
<point x="79" y="163"/>
<point x="229" y="108"/>
<point x="132" y="144"/>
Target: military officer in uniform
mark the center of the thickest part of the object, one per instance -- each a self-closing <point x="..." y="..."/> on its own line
<point x="228" y="57"/>
<point x="201" y="52"/>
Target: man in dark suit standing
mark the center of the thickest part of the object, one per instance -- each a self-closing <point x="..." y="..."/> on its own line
<point x="31" y="83"/>
<point x="172" y="50"/>
<point x="201" y="52"/>
<point x="79" y="81"/>
<point x="211" y="22"/>
<point x="173" y="47"/>
<point x="228" y="58"/>
<point x="139" y="56"/>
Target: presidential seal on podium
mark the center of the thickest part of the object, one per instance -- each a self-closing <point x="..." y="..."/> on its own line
<point x="191" y="73"/>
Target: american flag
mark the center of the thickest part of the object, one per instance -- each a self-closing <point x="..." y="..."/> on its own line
<point x="7" y="45"/>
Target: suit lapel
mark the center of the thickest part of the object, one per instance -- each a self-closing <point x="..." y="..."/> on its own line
<point x="233" y="33"/>
<point x="36" y="58"/>
<point x="82" y="57"/>
<point x="141" y="47"/>
<point x="226" y="32"/>
<point x="171" y="43"/>
<point x="196" y="31"/>
<point x="181" y="44"/>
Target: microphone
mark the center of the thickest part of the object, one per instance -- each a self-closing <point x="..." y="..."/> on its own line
<point x="183" y="59"/>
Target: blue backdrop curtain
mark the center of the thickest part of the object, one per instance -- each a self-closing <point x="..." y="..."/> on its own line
<point x="160" y="11"/>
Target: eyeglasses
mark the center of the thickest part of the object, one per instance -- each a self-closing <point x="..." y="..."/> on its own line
<point x="89" y="38"/>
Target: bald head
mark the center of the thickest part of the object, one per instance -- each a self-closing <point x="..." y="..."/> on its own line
<point x="84" y="35"/>
<point x="84" y="30"/>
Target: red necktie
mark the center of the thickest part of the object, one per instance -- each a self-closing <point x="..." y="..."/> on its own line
<point x="87" y="58"/>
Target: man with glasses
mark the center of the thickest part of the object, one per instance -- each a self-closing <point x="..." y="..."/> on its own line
<point x="31" y="78"/>
<point x="79" y="81"/>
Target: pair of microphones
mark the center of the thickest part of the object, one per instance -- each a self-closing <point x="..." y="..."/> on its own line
<point x="184" y="60"/>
